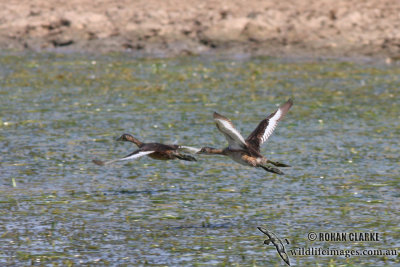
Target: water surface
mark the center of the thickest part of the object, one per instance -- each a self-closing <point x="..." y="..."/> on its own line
<point x="58" y="112"/>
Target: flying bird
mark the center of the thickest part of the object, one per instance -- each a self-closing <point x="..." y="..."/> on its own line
<point x="247" y="151"/>
<point x="153" y="150"/>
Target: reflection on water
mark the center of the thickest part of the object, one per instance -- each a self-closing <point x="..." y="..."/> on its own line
<point x="58" y="112"/>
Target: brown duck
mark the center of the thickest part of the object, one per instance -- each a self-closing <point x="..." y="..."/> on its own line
<point x="247" y="152"/>
<point x="153" y="150"/>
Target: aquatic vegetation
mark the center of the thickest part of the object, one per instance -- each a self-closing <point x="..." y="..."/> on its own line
<point x="60" y="111"/>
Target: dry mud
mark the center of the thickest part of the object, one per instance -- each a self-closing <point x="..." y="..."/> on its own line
<point x="170" y="27"/>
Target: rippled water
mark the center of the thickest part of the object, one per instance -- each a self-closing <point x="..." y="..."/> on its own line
<point x="58" y="112"/>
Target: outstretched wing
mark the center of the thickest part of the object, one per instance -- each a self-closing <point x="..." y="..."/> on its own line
<point x="134" y="155"/>
<point x="225" y="126"/>
<point x="267" y="126"/>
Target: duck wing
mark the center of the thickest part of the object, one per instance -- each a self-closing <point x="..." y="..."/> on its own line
<point x="158" y="147"/>
<point x="267" y="126"/>
<point x="163" y="147"/>
<point x="225" y="126"/>
<point x="188" y="149"/>
<point x="134" y="155"/>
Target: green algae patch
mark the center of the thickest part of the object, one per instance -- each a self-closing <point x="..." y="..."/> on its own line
<point x="58" y="112"/>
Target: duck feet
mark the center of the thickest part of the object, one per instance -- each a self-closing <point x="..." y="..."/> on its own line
<point x="185" y="157"/>
<point x="278" y="164"/>
<point x="272" y="169"/>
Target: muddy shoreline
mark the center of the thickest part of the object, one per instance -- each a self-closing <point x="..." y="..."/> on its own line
<point x="326" y="28"/>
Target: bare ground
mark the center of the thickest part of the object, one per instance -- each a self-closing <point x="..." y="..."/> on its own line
<point x="169" y="27"/>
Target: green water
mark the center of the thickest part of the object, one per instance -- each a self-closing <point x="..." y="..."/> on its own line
<point x="58" y="112"/>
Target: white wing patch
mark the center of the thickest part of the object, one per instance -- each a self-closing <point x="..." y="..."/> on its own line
<point x="189" y="149"/>
<point x="272" y="123"/>
<point x="235" y="139"/>
<point x="134" y="155"/>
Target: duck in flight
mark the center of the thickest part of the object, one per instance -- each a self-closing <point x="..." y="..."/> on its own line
<point x="247" y="152"/>
<point x="153" y="150"/>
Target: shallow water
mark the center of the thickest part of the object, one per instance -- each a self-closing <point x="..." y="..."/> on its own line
<point x="58" y="112"/>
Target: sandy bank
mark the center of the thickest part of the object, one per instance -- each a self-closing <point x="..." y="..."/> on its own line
<point x="319" y="27"/>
